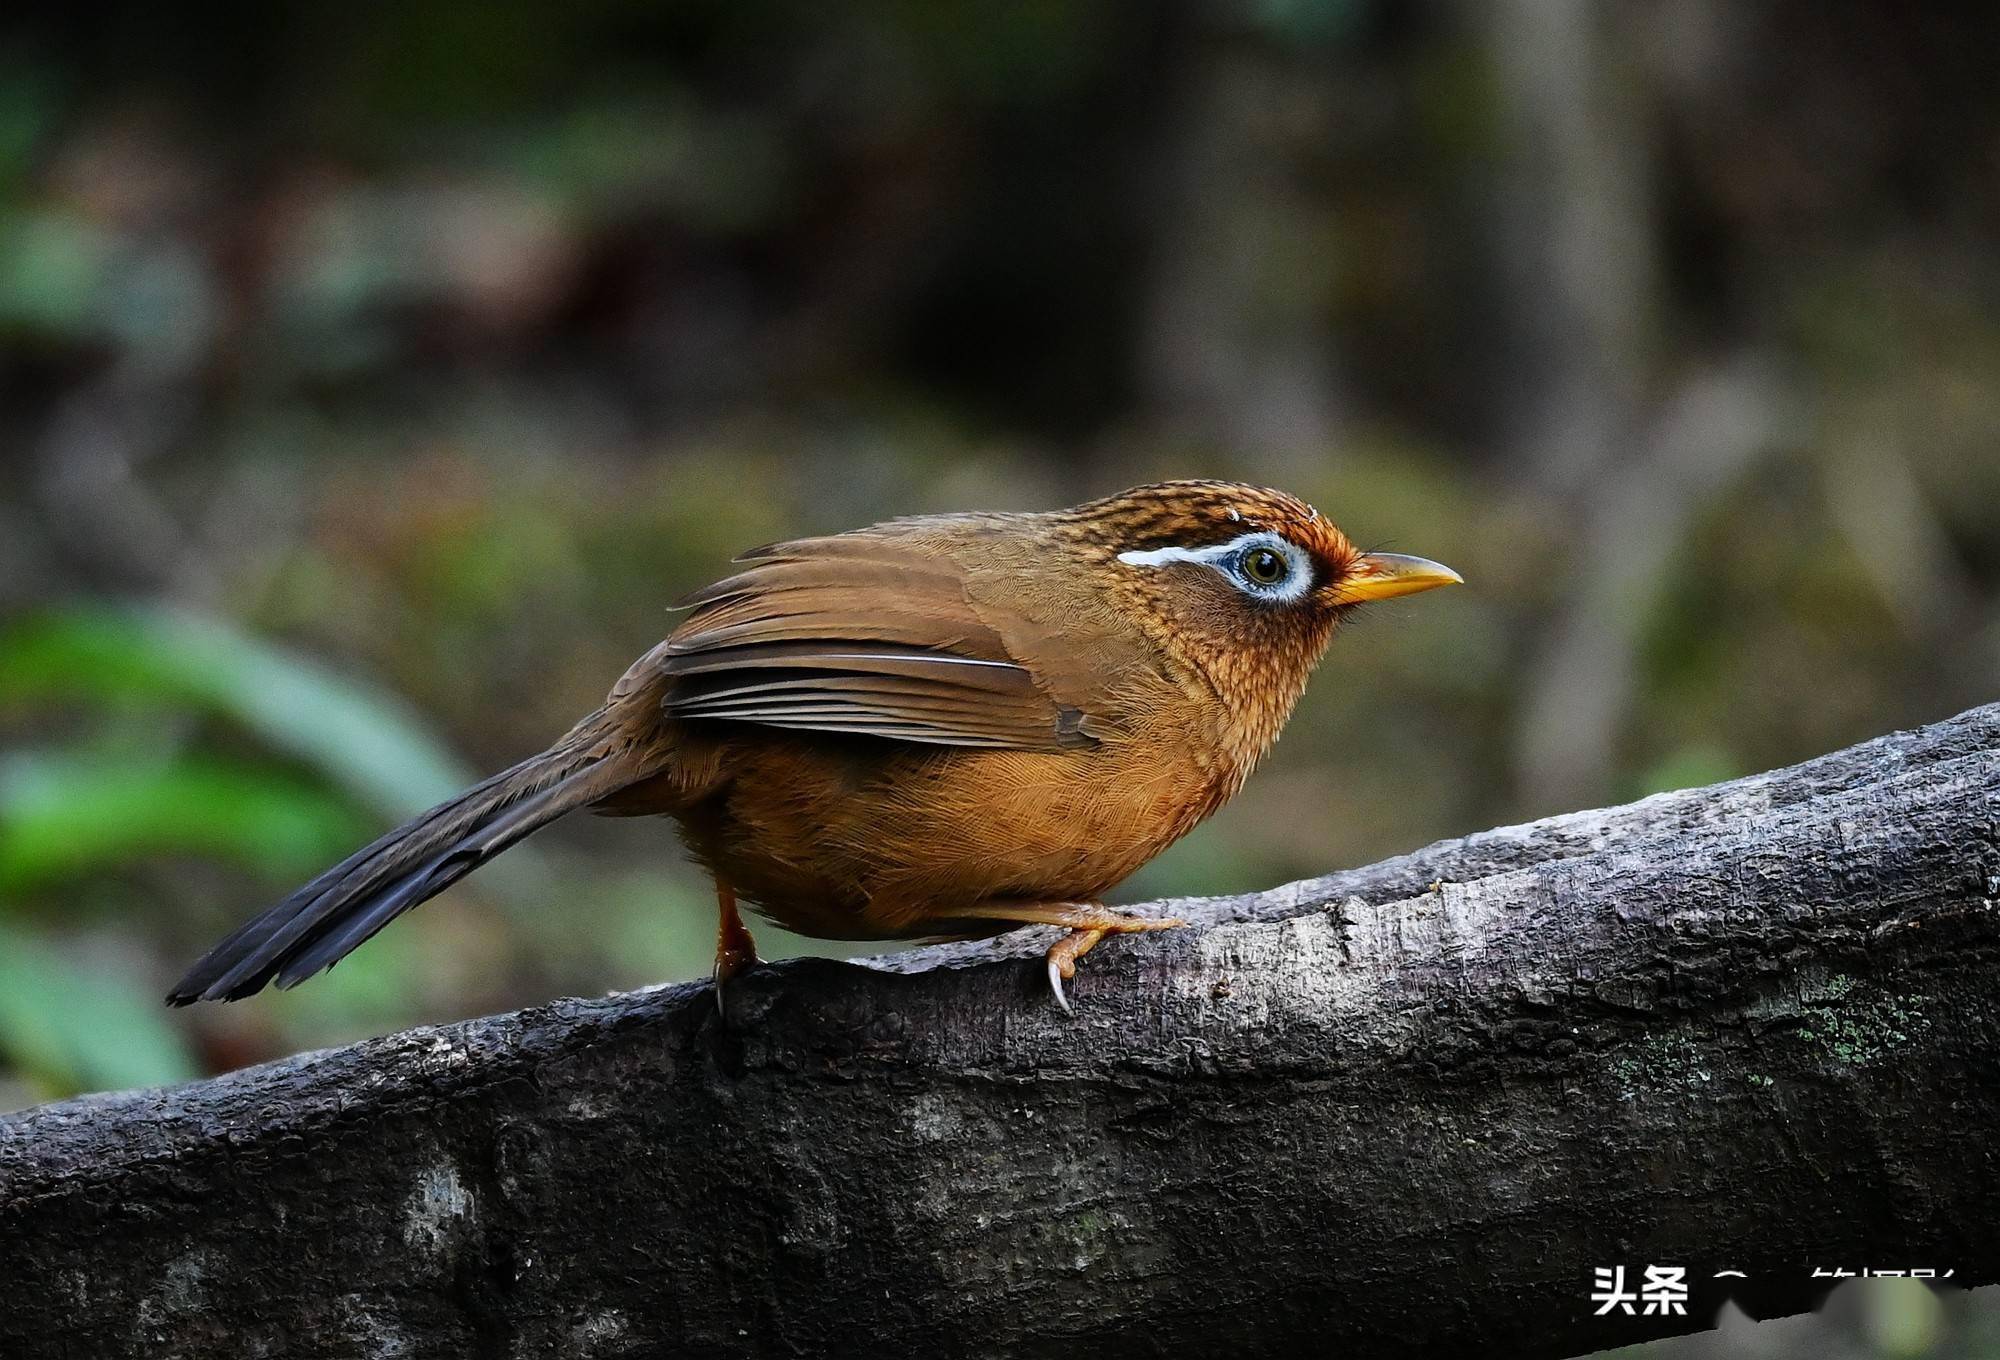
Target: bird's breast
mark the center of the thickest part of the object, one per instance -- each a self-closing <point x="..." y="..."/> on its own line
<point x="860" y="838"/>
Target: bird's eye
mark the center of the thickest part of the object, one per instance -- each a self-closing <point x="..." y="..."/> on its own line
<point x="1269" y="569"/>
<point x="1266" y="566"/>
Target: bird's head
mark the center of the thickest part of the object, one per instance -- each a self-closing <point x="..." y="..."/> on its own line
<point x="1246" y="582"/>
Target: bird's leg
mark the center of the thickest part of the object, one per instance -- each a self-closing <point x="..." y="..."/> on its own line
<point x="734" y="949"/>
<point x="1088" y="923"/>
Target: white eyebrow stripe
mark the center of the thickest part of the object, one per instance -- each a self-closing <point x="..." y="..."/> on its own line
<point x="1160" y="557"/>
<point x="1297" y="584"/>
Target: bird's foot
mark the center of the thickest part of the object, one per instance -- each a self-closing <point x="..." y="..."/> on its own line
<point x="731" y="961"/>
<point x="1064" y="953"/>
<point x="734" y="949"/>
<point x="1088" y="923"/>
<point x="1062" y="958"/>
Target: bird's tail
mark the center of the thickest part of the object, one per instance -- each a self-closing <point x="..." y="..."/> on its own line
<point x="328" y="918"/>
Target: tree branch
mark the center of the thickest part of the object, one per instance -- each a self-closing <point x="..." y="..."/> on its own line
<point x="1405" y="1109"/>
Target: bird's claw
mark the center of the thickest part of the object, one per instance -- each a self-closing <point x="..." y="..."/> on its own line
<point x="1056" y="986"/>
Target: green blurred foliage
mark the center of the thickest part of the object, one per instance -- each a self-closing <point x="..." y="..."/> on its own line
<point x="67" y="815"/>
<point x="68" y="1027"/>
<point x="136" y="660"/>
<point x="118" y="796"/>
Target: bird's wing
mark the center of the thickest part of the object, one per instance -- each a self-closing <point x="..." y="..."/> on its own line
<point x="869" y="634"/>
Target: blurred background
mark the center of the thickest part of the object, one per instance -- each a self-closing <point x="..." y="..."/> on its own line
<point x="372" y="377"/>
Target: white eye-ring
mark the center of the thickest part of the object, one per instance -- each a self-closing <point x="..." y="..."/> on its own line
<point x="1263" y="565"/>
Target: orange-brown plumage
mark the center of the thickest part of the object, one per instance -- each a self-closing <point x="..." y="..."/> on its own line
<point x="933" y="726"/>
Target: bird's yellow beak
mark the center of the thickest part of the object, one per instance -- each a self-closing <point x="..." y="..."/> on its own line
<point x="1383" y="576"/>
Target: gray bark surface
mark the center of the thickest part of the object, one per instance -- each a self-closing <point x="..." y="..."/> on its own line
<point x="1398" y="1110"/>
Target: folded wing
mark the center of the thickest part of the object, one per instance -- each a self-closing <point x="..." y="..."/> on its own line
<point x="865" y="634"/>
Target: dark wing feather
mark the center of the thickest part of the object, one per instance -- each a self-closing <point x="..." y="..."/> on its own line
<point x="864" y="634"/>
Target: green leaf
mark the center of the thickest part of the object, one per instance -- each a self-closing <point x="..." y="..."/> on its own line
<point x="73" y="1030"/>
<point x="65" y="815"/>
<point x="368" y="743"/>
<point x="52" y="270"/>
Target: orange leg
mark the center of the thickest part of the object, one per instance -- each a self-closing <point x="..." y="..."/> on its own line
<point x="734" y="949"/>
<point x="1088" y="923"/>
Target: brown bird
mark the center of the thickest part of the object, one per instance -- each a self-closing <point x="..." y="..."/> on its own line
<point x="950" y="725"/>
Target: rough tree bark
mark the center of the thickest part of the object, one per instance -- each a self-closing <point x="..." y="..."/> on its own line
<point x="1405" y="1109"/>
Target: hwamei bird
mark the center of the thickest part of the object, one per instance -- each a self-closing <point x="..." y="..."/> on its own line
<point x="950" y="725"/>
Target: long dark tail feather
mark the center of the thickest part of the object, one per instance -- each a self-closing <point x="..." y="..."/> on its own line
<point x="328" y="918"/>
